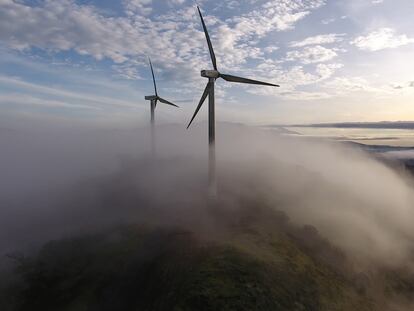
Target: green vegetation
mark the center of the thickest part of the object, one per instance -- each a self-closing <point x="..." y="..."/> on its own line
<point x="257" y="263"/>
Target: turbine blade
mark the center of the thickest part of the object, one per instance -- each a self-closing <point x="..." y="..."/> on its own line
<point x="155" y="103"/>
<point x="153" y="77"/>
<point x="210" y="46"/>
<point x="164" y="101"/>
<point x="231" y="78"/>
<point x="203" y="98"/>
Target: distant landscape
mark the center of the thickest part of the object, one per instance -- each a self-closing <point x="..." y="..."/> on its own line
<point x="398" y="125"/>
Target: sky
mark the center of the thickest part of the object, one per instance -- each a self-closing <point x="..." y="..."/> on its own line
<point x="85" y="62"/>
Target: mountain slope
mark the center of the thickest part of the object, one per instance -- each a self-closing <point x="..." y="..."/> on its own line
<point x="256" y="261"/>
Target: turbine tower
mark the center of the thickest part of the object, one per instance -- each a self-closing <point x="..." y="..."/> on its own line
<point x="153" y="100"/>
<point x="212" y="76"/>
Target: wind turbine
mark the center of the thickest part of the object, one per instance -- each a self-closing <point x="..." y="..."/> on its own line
<point x="154" y="99"/>
<point x="212" y="76"/>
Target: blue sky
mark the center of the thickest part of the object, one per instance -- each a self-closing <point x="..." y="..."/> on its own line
<point x="72" y="62"/>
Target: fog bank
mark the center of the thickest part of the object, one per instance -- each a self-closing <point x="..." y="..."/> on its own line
<point x="58" y="182"/>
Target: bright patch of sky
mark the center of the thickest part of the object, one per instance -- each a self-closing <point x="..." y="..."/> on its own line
<point x="336" y="60"/>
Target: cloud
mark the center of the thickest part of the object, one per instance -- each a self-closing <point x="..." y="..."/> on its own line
<point x="79" y="173"/>
<point x="405" y="85"/>
<point x="238" y="38"/>
<point x="346" y="85"/>
<point x="325" y="71"/>
<point x="328" y="21"/>
<point x="65" y="94"/>
<point x="63" y="25"/>
<point x="306" y="96"/>
<point x="137" y="6"/>
<point x="311" y="55"/>
<point x="176" y="2"/>
<point x="280" y="15"/>
<point x="317" y="40"/>
<point x="296" y="77"/>
<point x="174" y="39"/>
<point x="21" y="99"/>
<point x="271" y="49"/>
<point x="384" y="38"/>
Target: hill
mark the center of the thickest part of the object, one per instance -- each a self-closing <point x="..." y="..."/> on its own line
<point x="255" y="261"/>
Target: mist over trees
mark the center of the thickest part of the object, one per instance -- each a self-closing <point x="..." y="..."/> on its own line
<point x="334" y="204"/>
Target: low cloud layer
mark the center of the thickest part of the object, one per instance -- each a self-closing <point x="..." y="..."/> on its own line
<point x="66" y="182"/>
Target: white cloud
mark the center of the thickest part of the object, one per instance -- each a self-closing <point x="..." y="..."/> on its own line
<point x="278" y="15"/>
<point x="319" y="39"/>
<point x="295" y="78"/>
<point x="174" y="39"/>
<point x="176" y="2"/>
<point x="64" y="94"/>
<point x="62" y="25"/>
<point x="306" y="96"/>
<point x="384" y="38"/>
<point x="138" y="6"/>
<point x="325" y="71"/>
<point x="404" y="85"/>
<point x="347" y="85"/>
<point x="328" y="21"/>
<point x="271" y="49"/>
<point x="311" y="54"/>
<point x="238" y="37"/>
<point x="21" y="99"/>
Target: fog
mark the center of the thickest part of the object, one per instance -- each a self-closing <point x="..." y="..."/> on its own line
<point x="56" y="182"/>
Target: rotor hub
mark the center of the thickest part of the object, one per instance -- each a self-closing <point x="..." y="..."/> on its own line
<point x="210" y="74"/>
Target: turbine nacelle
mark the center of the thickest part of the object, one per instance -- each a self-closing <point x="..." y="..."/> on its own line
<point x="210" y="74"/>
<point x="152" y="97"/>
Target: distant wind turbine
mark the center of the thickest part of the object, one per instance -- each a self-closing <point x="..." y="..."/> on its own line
<point x="212" y="76"/>
<point x="154" y="99"/>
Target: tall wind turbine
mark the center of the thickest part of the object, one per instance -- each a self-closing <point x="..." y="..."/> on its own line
<point x="212" y="76"/>
<point x="154" y="99"/>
